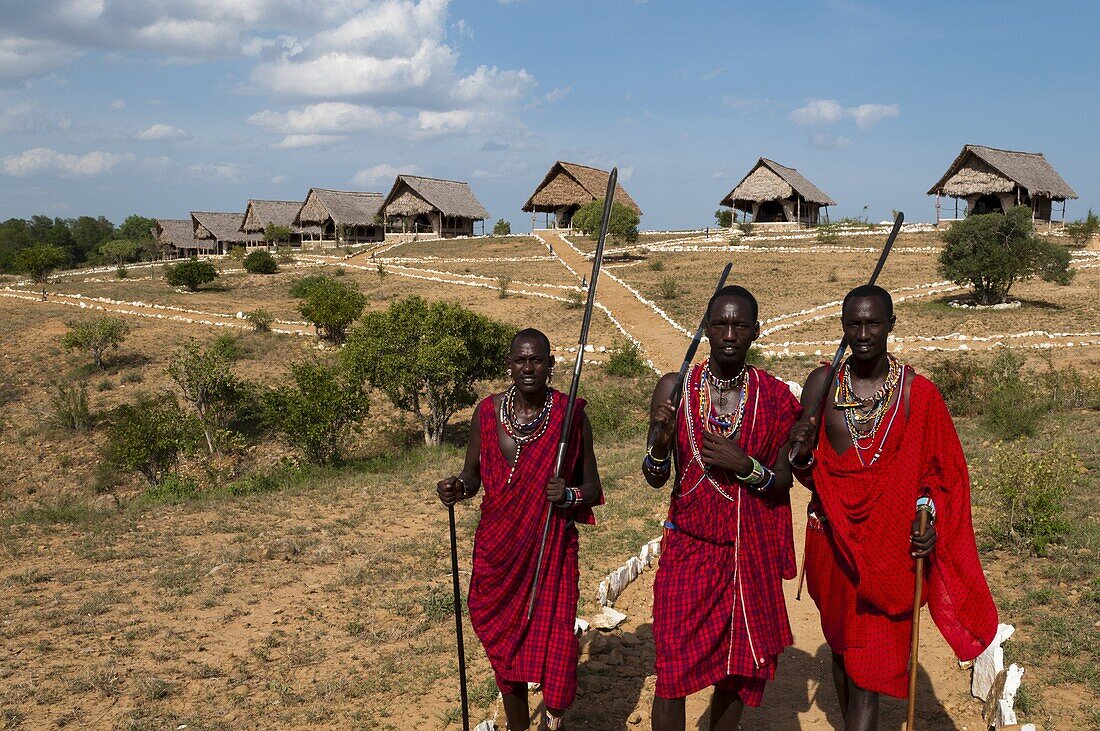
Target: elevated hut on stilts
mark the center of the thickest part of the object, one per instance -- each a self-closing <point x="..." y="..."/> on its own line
<point x="989" y="180"/>
<point x="566" y="188"/>
<point x="779" y="196"/>
<point x="445" y="208"/>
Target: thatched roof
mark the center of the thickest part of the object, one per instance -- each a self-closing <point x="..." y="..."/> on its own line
<point x="178" y="233"/>
<point x="769" y="181"/>
<point x="570" y="184"/>
<point x="412" y="195"/>
<point x="983" y="170"/>
<point x="344" y="207"/>
<point x="261" y="213"/>
<point x="224" y="227"/>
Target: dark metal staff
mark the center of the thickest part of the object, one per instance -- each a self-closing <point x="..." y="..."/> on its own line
<point x="819" y="401"/>
<point x="458" y="621"/>
<point x="563" y="443"/>
<point x="677" y="389"/>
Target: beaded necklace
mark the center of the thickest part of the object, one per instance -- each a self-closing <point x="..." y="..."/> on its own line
<point x="524" y="433"/>
<point x="724" y="384"/>
<point x="864" y="437"/>
<point x="723" y="425"/>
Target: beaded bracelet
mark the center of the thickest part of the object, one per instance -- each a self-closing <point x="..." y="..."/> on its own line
<point x="756" y="475"/>
<point x="571" y="497"/>
<point x="459" y="480"/>
<point x="767" y="484"/>
<point x="658" y="469"/>
<point x="927" y="505"/>
<point x="658" y="461"/>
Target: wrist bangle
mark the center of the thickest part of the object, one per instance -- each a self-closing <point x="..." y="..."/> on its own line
<point x="658" y="461"/>
<point x="809" y="462"/>
<point x="756" y="475"/>
<point x="462" y="495"/>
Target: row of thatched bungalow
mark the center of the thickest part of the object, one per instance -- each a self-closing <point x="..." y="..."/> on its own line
<point x="985" y="178"/>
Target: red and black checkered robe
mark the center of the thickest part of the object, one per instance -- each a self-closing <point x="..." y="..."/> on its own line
<point x="719" y="617"/>
<point x="506" y="547"/>
<point x="859" y="569"/>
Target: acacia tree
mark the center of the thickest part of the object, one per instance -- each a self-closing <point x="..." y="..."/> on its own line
<point x="190" y="273"/>
<point x="148" y="436"/>
<point x="622" y="226"/>
<point x="39" y="262"/>
<point x="502" y="228"/>
<point x="992" y="251"/>
<point x="277" y="234"/>
<point x="724" y="217"/>
<point x="427" y="357"/>
<point x="119" y="252"/>
<point x="96" y="335"/>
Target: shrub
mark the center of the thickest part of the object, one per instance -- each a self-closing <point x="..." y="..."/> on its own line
<point x="746" y="228"/>
<point x="724" y="217"/>
<point x="828" y="233"/>
<point x="1068" y="388"/>
<point x="190" y="273"/>
<point x="318" y="409"/>
<point x="1010" y="408"/>
<point x="656" y="264"/>
<point x="1081" y="230"/>
<point x="1032" y="491"/>
<point x="277" y="234"/>
<point x="668" y="289"/>
<point x="626" y="361"/>
<point x="960" y="382"/>
<point x="206" y="380"/>
<point x="503" y="283"/>
<point x="260" y="320"/>
<point x="237" y="253"/>
<point x="502" y="228"/>
<point x="617" y="409"/>
<point x="622" y="226"/>
<point x="118" y="252"/>
<point x="96" y="336"/>
<point x="122" y="273"/>
<point x="330" y="305"/>
<point x="172" y="488"/>
<point x="574" y="299"/>
<point x="260" y="262"/>
<point x="992" y="251"/>
<point x="149" y="435"/>
<point x="427" y="357"/>
<point x="69" y="406"/>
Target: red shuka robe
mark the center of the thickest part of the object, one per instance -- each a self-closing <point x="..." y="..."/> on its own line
<point x="859" y="569"/>
<point x="506" y="547"/>
<point x="719" y="617"/>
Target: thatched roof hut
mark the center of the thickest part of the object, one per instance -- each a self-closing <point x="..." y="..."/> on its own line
<point x="443" y="207"/>
<point x="219" y="230"/>
<point x="176" y="238"/>
<point x="774" y="193"/>
<point x="260" y="214"/>
<point x="567" y="187"/>
<point x="340" y="217"/>
<point x="992" y="180"/>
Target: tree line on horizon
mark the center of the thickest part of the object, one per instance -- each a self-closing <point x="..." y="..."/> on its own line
<point x="80" y="240"/>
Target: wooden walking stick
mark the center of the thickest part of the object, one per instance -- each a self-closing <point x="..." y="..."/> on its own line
<point x="563" y="443"/>
<point x="819" y="401"/>
<point x="458" y="621"/>
<point x="914" y="645"/>
<point x="677" y="389"/>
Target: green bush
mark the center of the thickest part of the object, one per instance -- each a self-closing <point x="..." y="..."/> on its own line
<point x="617" y="409"/>
<point x="206" y="381"/>
<point x="622" y="226"/>
<point x="318" y="409"/>
<point x="38" y="262"/>
<point x="1032" y="491"/>
<point x="427" y="357"/>
<point x="190" y="273"/>
<point x="148" y="436"/>
<point x="173" y="488"/>
<point x="330" y="305"/>
<point x="992" y="251"/>
<point x="656" y="264"/>
<point x="237" y="253"/>
<point x="574" y="299"/>
<point x="260" y="320"/>
<point x="1068" y="388"/>
<point x="828" y="233"/>
<point x="724" y="217"/>
<point x="277" y="234"/>
<point x="96" y="335"/>
<point x="1011" y="408"/>
<point x="69" y="406"/>
<point x="503" y="282"/>
<point x="260" y="262"/>
<point x="502" y="228"/>
<point x="746" y="228"/>
<point x="626" y="361"/>
<point x="960" y="382"/>
<point x="1082" y="230"/>
<point x="668" y="289"/>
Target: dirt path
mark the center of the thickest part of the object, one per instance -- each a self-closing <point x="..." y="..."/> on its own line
<point x="660" y="340"/>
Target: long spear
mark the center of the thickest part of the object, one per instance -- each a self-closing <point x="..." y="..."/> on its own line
<point x="819" y="400"/>
<point x="677" y="389"/>
<point x="563" y="443"/>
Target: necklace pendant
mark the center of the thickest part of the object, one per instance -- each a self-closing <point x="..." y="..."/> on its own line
<point x="722" y="400"/>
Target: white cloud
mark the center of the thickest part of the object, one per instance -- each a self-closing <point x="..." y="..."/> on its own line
<point x="117" y="104"/>
<point x="824" y="112"/>
<point x="383" y="173"/>
<point x="827" y="141"/>
<point x="626" y="172"/>
<point x="47" y="161"/>
<point x="279" y="179"/>
<point x="866" y="115"/>
<point x="23" y="58"/>
<point x="216" y="170"/>
<point x="714" y="73"/>
<point x="162" y="132"/>
<point x="296" y="142"/>
<point x="818" y="112"/>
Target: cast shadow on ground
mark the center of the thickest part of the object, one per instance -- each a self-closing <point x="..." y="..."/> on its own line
<point x="608" y="694"/>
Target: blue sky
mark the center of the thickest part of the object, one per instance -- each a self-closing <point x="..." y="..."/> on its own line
<point x="161" y="107"/>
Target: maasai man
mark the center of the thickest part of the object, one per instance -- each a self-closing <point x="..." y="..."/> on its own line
<point x="513" y="443"/>
<point x="719" y="618"/>
<point x="889" y="448"/>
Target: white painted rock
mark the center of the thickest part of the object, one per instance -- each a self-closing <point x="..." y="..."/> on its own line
<point x="608" y="619"/>
<point x="989" y="663"/>
<point x="486" y="726"/>
<point x="1006" y="713"/>
<point x="636" y="567"/>
<point x="601" y="593"/>
<point x="580" y="626"/>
